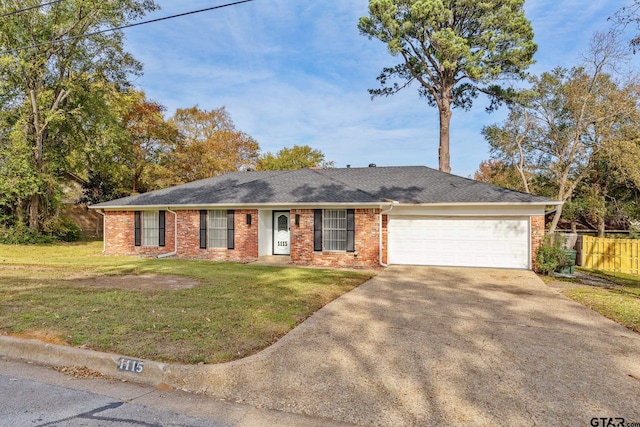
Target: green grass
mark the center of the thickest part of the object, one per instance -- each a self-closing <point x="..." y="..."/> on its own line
<point x="620" y="303"/>
<point x="236" y="310"/>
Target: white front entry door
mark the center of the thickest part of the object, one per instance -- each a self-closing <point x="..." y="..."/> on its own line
<point x="281" y="235"/>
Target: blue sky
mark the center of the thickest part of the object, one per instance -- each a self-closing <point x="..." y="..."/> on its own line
<point x="297" y="72"/>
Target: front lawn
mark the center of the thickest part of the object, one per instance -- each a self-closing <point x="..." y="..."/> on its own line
<point x="620" y="302"/>
<point x="72" y="294"/>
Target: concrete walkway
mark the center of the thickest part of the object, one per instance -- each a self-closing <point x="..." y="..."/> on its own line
<point x="428" y="346"/>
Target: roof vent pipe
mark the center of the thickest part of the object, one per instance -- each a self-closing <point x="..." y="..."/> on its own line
<point x="372" y="165"/>
<point x="348" y="166"/>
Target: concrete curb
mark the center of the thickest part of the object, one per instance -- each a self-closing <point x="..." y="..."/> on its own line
<point x="153" y="373"/>
<point x="189" y="378"/>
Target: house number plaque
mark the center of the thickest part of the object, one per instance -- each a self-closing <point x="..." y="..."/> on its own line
<point x="130" y="365"/>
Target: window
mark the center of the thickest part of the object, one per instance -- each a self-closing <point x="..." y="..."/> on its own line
<point x="283" y="223"/>
<point x="335" y="230"/>
<point x="150" y="228"/>
<point x="217" y="229"/>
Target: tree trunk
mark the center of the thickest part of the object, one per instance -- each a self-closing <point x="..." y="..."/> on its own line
<point x="601" y="226"/>
<point x="444" y="156"/>
<point x="34" y="207"/>
<point x="39" y="134"/>
<point x="556" y="219"/>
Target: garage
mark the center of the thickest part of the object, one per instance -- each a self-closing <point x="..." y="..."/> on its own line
<point x="461" y="242"/>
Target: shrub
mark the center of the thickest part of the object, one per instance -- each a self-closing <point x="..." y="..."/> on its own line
<point x="57" y="229"/>
<point x="63" y="228"/>
<point x="551" y="256"/>
<point x="20" y="234"/>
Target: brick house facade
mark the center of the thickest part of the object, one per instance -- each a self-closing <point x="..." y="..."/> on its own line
<point x="371" y="247"/>
<point x="120" y="235"/>
<point x="352" y="217"/>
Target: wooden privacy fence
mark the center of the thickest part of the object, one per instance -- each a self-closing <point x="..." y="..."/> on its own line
<point x="617" y="255"/>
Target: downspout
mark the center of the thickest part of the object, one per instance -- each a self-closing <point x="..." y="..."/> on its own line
<point x="382" y="264"/>
<point x="104" y="230"/>
<point x="175" y="236"/>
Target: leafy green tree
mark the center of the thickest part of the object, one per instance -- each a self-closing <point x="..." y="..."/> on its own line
<point x="49" y="65"/>
<point x="100" y="187"/>
<point x="150" y="139"/>
<point x="105" y="152"/>
<point x="497" y="172"/>
<point x="453" y="49"/>
<point x="296" y="157"/>
<point x="614" y="173"/>
<point x="568" y="122"/>
<point x="208" y="144"/>
<point x="510" y="144"/>
<point x="18" y="179"/>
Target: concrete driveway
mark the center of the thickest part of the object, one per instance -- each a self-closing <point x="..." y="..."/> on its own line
<point x="445" y="346"/>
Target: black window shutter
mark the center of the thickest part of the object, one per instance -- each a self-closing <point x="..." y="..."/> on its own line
<point x="230" y="229"/>
<point x="137" y="235"/>
<point x="351" y="230"/>
<point x="161" y="228"/>
<point x="317" y="230"/>
<point x="203" y="229"/>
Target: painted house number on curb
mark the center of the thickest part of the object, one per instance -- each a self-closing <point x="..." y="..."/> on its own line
<point x="130" y="365"/>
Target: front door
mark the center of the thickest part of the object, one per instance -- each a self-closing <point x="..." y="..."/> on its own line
<point x="281" y="235"/>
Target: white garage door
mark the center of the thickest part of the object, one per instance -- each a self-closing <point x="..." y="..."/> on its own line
<point x="463" y="242"/>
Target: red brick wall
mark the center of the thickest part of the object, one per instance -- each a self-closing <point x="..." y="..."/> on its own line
<point x="246" y="238"/>
<point x="537" y="235"/>
<point x="246" y="241"/>
<point x="119" y="235"/>
<point x="302" y="236"/>
<point x="189" y="235"/>
<point x="367" y="241"/>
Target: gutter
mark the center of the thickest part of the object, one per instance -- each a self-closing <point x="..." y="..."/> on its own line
<point x="104" y="230"/>
<point x="382" y="264"/>
<point x="196" y="207"/>
<point x="175" y="236"/>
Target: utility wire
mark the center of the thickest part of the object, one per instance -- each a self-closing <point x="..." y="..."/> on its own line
<point x="15" y="12"/>
<point x="135" y="24"/>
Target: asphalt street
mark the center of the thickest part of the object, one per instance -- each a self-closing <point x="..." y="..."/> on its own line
<point x="34" y="403"/>
<point x="37" y="396"/>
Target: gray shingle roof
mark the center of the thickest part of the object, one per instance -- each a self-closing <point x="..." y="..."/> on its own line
<point x="404" y="184"/>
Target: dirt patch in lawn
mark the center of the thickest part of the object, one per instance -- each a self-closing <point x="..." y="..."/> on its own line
<point x="50" y="337"/>
<point x="147" y="282"/>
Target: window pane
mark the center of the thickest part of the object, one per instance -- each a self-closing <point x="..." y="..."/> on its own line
<point x="150" y="225"/>
<point x="335" y="230"/>
<point x="218" y="229"/>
